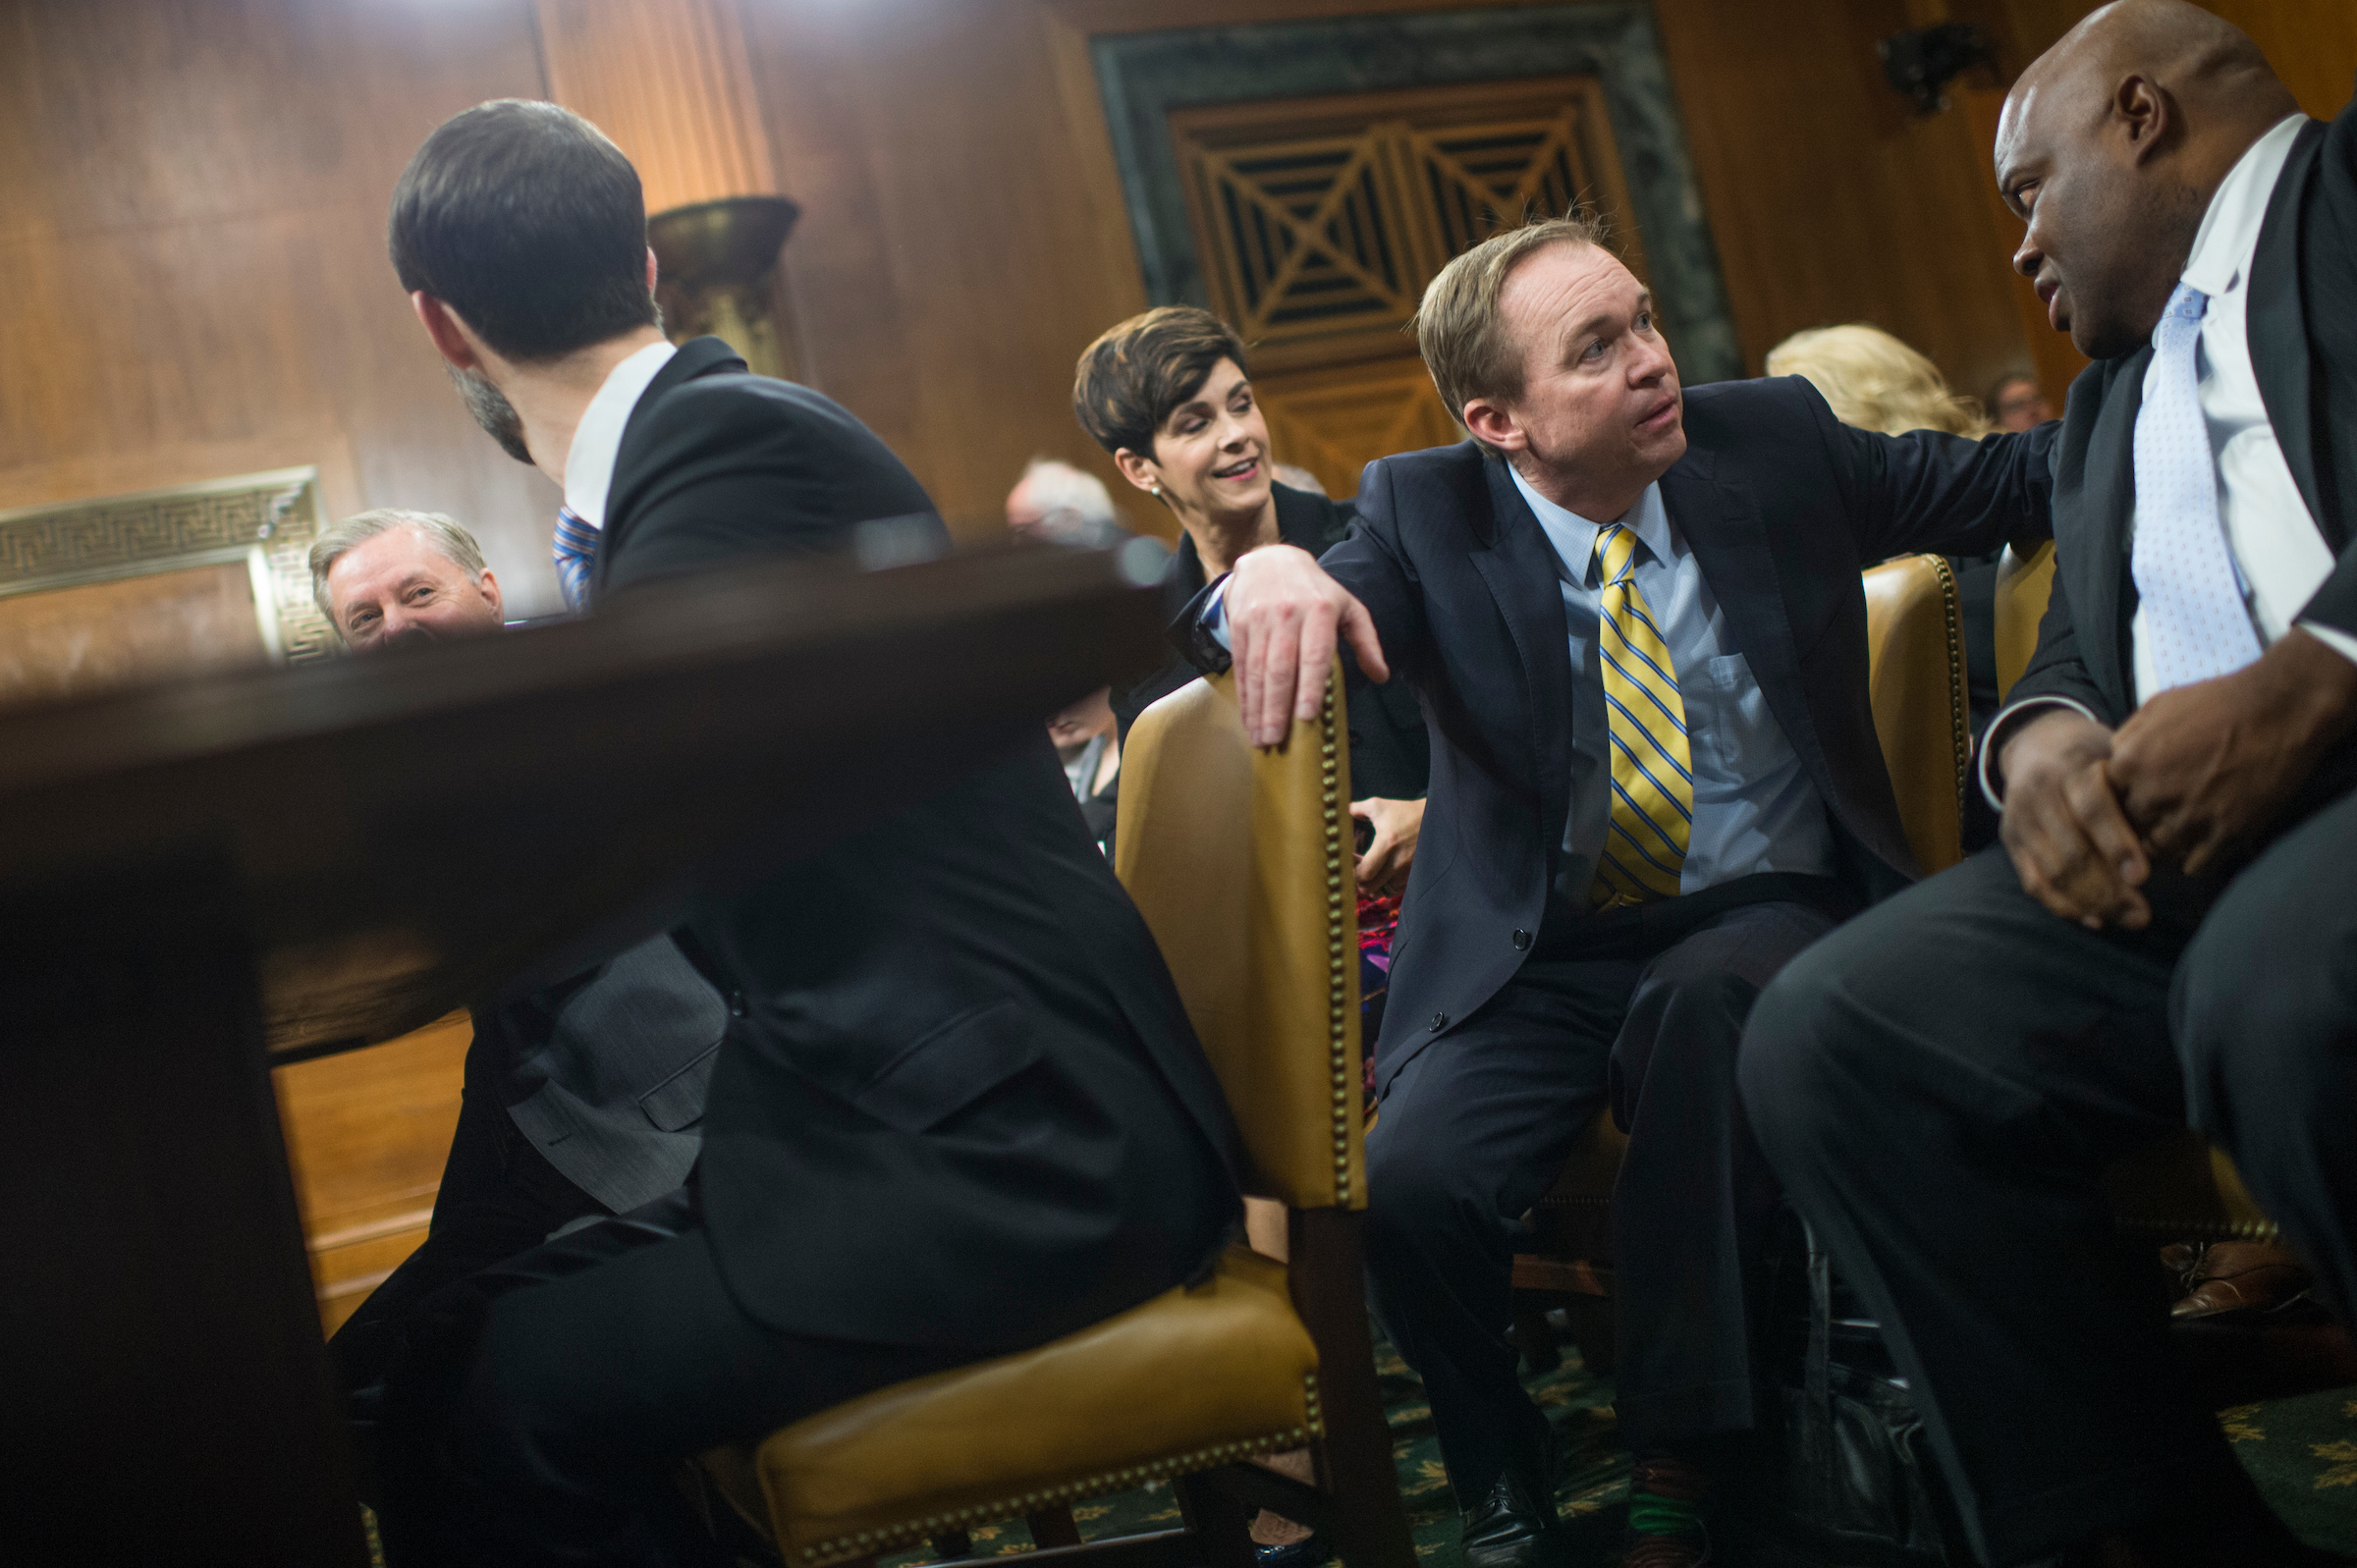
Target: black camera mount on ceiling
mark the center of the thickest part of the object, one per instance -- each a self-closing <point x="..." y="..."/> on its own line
<point x="1921" y="63"/>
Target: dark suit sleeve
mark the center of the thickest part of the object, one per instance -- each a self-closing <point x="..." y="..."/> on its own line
<point x="1369" y="563"/>
<point x="2331" y="290"/>
<point x="1928" y="490"/>
<point x="731" y="469"/>
<point x="2055" y="669"/>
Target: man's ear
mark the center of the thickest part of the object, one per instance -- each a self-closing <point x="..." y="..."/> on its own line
<point x="450" y="338"/>
<point x="2147" y="115"/>
<point x="490" y="586"/>
<point x="650" y="269"/>
<point x="1138" y="470"/>
<point x="1487" y="419"/>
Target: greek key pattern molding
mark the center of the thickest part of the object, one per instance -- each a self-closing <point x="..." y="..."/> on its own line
<point x="60" y="545"/>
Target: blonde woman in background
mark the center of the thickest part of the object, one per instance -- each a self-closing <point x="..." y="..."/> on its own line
<point x="1875" y="382"/>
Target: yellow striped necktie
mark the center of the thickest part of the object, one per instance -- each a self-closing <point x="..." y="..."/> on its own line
<point x="1653" y="772"/>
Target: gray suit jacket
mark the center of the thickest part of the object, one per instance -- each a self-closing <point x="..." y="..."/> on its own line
<point x="606" y="1072"/>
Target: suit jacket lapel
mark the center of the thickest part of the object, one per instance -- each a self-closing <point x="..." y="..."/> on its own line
<point x="1722" y="524"/>
<point x="699" y="357"/>
<point x="2101" y="584"/>
<point x="1519" y="566"/>
<point x="2277" y="328"/>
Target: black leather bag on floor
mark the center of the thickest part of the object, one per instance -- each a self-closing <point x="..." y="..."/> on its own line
<point x="1846" y="1479"/>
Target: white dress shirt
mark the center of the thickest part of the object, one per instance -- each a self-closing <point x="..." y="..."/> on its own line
<point x="597" y="440"/>
<point x="2280" y="554"/>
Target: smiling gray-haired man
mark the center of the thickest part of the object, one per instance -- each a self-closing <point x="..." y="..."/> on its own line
<point x="392" y="575"/>
<point x="583" y="1099"/>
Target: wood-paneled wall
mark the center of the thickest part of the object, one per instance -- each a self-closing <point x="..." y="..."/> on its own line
<point x="192" y="230"/>
<point x="367" y="1132"/>
<point x="191" y="208"/>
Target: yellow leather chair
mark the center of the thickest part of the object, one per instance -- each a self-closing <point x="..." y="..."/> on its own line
<point x="1916" y="682"/>
<point x="2179" y="1189"/>
<point x="1239" y="860"/>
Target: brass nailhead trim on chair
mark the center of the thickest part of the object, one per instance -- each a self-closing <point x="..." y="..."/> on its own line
<point x="1339" y="957"/>
<point x="1951" y="616"/>
<point x="2203" y="1230"/>
<point x="879" y="1542"/>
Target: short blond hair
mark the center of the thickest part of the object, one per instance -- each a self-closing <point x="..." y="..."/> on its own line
<point x="1875" y="382"/>
<point x="1464" y="343"/>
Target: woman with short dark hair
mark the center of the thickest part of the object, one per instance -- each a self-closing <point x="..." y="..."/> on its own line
<point x="1168" y="393"/>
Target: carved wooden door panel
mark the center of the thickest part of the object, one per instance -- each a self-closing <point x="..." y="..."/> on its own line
<point x="1321" y="220"/>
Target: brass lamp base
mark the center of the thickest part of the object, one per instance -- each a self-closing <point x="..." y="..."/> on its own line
<point x="715" y="270"/>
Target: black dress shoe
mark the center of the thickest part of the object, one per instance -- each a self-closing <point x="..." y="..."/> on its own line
<point x="1307" y="1552"/>
<point x="1511" y="1529"/>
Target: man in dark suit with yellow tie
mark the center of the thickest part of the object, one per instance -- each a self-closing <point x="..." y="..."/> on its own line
<point x="2166" y="934"/>
<point x="1633" y="618"/>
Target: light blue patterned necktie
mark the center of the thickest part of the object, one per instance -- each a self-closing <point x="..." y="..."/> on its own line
<point x="575" y="549"/>
<point x="2195" y="620"/>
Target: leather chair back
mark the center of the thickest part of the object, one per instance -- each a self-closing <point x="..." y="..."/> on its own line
<point x="1240" y="861"/>
<point x="2023" y="585"/>
<point x="1915" y="650"/>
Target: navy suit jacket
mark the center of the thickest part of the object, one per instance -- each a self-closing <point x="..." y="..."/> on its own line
<point x="1784" y="508"/>
<point x="960" y="1104"/>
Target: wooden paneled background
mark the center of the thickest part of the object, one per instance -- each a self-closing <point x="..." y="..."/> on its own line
<point x="192" y="229"/>
<point x="193" y="197"/>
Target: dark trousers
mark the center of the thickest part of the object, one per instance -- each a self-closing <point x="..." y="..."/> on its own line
<point x="1940" y="1084"/>
<point x="534" y="1411"/>
<point x="499" y="1197"/>
<point x="1640" y="1013"/>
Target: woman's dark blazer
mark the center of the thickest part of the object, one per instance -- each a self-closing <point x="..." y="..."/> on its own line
<point x="1391" y="758"/>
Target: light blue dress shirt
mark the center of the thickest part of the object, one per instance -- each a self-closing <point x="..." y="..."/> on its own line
<point x="1754" y="809"/>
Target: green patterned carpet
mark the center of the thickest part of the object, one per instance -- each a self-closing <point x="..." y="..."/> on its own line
<point x="2302" y="1451"/>
<point x="1590" y="1490"/>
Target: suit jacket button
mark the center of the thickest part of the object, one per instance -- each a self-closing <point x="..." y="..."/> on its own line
<point x="736" y="1003"/>
<point x="1521" y="941"/>
<point x="1440" y="1021"/>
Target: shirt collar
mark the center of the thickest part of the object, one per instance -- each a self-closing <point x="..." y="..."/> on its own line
<point x="597" y="440"/>
<point x="1575" y="536"/>
<point x="2229" y="236"/>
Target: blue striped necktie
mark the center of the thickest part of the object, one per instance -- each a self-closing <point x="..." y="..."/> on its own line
<point x="1653" y="772"/>
<point x="576" y="549"/>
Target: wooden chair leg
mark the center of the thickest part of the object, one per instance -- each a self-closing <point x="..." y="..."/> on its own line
<point x="1329" y="1283"/>
<point x="1054" y="1526"/>
<point x="1221" y="1522"/>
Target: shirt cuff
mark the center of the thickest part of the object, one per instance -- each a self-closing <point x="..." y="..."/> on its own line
<point x="1215" y="616"/>
<point x="2340" y="642"/>
<point x="1999" y="731"/>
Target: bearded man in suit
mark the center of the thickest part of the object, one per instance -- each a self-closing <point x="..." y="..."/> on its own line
<point x="1633" y="618"/>
<point x="955" y="1067"/>
<point x="2165" y="935"/>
